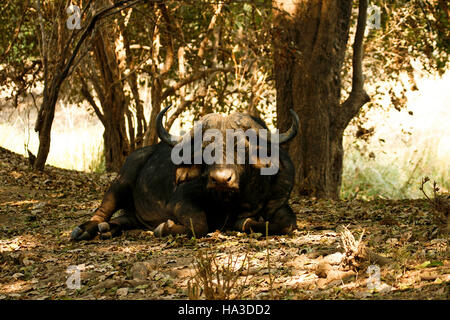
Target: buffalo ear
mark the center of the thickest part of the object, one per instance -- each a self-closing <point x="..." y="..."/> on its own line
<point x="186" y="173"/>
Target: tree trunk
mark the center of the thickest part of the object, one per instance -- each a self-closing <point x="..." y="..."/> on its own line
<point x="151" y="135"/>
<point x="114" y="102"/>
<point x="51" y="49"/>
<point x="44" y="122"/>
<point x="310" y="39"/>
<point x="63" y="54"/>
<point x="136" y="140"/>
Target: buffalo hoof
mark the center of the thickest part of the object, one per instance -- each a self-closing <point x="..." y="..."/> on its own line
<point x="106" y="235"/>
<point x="86" y="231"/>
<point x="162" y="229"/>
<point x="103" y="227"/>
<point x="105" y="230"/>
<point x="109" y="230"/>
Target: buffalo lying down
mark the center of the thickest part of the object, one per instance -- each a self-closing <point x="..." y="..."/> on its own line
<point x="202" y="197"/>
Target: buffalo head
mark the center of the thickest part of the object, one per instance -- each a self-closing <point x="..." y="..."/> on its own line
<point x="225" y="151"/>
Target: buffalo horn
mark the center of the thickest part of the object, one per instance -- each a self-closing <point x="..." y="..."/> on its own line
<point x="288" y="135"/>
<point x="165" y="136"/>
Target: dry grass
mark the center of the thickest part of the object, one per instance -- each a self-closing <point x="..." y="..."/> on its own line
<point x="403" y="149"/>
<point x="441" y="206"/>
<point x="356" y="254"/>
<point x="76" y="141"/>
<point x="39" y="214"/>
<point x="216" y="279"/>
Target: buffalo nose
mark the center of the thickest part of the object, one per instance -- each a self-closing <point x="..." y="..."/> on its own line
<point x="224" y="177"/>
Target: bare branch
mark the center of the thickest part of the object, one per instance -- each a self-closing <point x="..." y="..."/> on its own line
<point x="87" y="94"/>
<point x="43" y="43"/>
<point x="186" y="103"/>
<point x="172" y="89"/>
<point x="183" y="105"/>
<point x="132" y="80"/>
<point x="75" y="32"/>
<point x="358" y="96"/>
<point x="201" y="49"/>
<point x="170" y="52"/>
<point x="102" y="14"/>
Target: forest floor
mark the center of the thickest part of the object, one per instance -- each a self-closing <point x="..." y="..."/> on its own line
<point x="39" y="210"/>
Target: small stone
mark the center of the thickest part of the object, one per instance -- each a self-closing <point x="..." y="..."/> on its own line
<point x="335" y="258"/>
<point x="108" y="283"/>
<point x="321" y="283"/>
<point x="188" y="272"/>
<point x="322" y="269"/>
<point x="392" y="241"/>
<point x="39" y="205"/>
<point x="384" y="288"/>
<point x="122" y="292"/>
<point x="62" y="293"/>
<point x="362" y="294"/>
<point x="141" y="270"/>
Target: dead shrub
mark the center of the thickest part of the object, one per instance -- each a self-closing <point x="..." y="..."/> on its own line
<point x="217" y="280"/>
<point x="441" y="207"/>
<point x="356" y="255"/>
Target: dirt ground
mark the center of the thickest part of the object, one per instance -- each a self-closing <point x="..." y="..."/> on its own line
<point x="38" y="261"/>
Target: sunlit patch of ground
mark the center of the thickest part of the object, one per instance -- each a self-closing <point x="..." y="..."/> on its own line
<point x="406" y="146"/>
<point x="25" y="242"/>
<point x="39" y="210"/>
<point x="36" y="254"/>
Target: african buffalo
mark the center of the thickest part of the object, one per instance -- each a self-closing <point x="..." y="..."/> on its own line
<point x="198" y="197"/>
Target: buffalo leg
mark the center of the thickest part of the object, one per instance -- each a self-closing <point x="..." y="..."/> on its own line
<point x="283" y="221"/>
<point x="118" y="196"/>
<point x="185" y="216"/>
<point x="189" y="220"/>
<point x="110" y="204"/>
<point x="170" y="227"/>
<point x="117" y="225"/>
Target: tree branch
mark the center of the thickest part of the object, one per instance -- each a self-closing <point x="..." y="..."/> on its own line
<point x="43" y="43"/>
<point x="87" y="94"/>
<point x="170" y="52"/>
<point x="63" y="68"/>
<point x="203" y="43"/>
<point x="358" y="96"/>
<point x="102" y="14"/>
<point x="183" y="105"/>
<point x="172" y="89"/>
<point x="16" y="32"/>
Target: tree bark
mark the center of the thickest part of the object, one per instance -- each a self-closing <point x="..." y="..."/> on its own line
<point x="136" y="140"/>
<point x="44" y="123"/>
<point x="114" y="102"/>
<point x="310" y="39"/>
<point x="64" y="53"/>
<point x="151" y="135"/>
